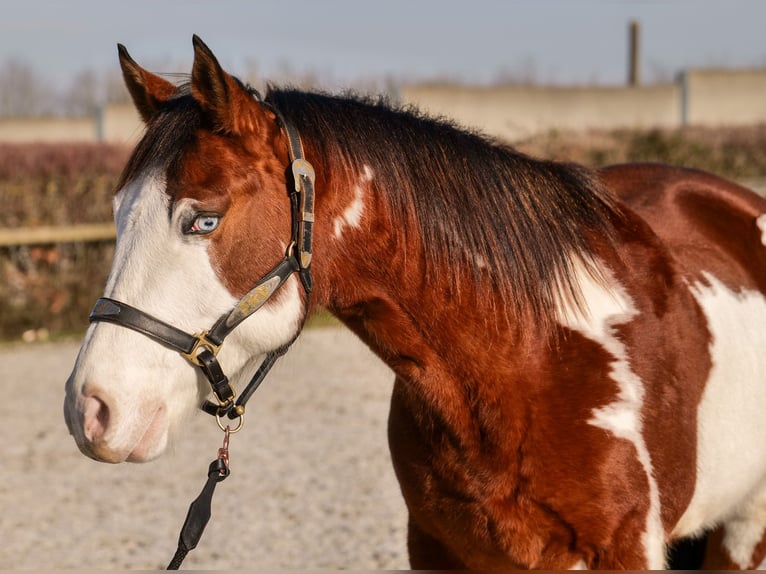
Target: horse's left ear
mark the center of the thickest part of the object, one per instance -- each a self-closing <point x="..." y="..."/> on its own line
<point x="226" y="101"/>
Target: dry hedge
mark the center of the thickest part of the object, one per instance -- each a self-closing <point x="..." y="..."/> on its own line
<point x="54" y="286"/>
<point x="737" y="153"/>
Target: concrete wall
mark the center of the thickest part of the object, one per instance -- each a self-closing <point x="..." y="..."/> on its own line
<point x="27" y="130"/>
<point x="700" y="97"/>
<point x="120" y="123"/>
<point x="724" y="97"/>
<point x="116" y="124"/>
<point x="517" y="112"/>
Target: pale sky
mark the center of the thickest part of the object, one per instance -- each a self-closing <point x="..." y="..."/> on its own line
<point x="550" y="41"/>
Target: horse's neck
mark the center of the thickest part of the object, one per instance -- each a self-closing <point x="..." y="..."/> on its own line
<point x="447" y="343"/>
<point x="449" y="356"/>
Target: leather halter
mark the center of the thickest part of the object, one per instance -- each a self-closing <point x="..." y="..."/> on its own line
<point x="202" y="347"/>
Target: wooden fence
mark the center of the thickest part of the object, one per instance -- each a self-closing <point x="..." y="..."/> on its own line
<point x="85" y="232"/>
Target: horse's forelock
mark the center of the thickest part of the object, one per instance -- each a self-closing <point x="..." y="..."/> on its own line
<point x="166" y="138"/>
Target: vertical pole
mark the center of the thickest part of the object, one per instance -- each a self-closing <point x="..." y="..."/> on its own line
<point x="683" y="80"/>
<point x="633" y="54"/>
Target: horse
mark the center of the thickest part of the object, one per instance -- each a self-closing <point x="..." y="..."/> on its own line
<point x="578" y="353"/>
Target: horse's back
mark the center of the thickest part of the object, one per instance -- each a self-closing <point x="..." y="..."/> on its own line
<point x="709" y="224"/>
<point x="715" y="233"/>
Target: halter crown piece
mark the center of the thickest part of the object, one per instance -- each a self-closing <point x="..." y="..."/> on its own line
<point x="202" y="347"/>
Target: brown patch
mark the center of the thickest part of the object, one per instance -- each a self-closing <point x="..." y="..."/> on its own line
<point x="705" y="222"/>
<point x="251" y="197"/>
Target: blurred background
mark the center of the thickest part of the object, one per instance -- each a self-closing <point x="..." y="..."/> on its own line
<point x="594" y="81"/>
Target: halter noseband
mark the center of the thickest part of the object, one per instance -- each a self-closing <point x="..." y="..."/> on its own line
<point x="201" y="348"/>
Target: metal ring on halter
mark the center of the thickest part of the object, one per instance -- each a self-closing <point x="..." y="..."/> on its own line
<point x="231" y="430"/>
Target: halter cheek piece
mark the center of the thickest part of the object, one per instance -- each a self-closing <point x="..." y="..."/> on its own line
<point x="201" y="348"/>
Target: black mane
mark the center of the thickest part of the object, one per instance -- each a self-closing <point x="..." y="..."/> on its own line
<point x="508" y="218"/>
<point x="512" y="221"/>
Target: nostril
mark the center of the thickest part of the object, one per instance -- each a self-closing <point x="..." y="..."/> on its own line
<point x="95" y="418"/>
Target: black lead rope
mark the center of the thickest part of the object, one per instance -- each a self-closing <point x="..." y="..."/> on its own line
<point x="199" y="510"/>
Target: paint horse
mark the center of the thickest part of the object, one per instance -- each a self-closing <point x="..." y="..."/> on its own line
<point x="579" y="355"/>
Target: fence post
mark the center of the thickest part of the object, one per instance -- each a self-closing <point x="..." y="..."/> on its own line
<point x="683" y="82"/>
<point x="634" y="75"/>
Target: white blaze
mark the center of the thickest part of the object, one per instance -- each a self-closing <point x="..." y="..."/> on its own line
<point x="169" y="275"/>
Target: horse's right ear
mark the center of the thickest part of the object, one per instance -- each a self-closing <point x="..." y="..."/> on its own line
<point x="149" y="91"/>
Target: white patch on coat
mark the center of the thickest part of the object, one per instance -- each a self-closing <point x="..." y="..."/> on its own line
<point x="352" y="215"/>
<point x="170" y="276"/>
<point x="744" y="531"/>
<point x="604" y="310"/>
<point x="731" y="426"/>
<point x="761" y="223"/>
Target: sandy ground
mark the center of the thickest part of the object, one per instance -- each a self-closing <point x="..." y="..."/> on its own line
<point x="312" y="485"/>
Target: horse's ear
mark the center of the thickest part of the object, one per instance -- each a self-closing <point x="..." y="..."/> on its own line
<point x="149" y="91"/>
<point x="226" y="101"/>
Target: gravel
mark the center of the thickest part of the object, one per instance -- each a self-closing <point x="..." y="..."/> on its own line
<point x="312" y="485"/>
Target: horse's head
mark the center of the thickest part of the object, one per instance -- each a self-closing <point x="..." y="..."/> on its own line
<point x="202" y="213"/>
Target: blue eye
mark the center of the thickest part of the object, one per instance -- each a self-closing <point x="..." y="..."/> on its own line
<point x="204" y="224"/>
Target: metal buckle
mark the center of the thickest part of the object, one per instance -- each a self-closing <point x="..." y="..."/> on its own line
<point x="223" y="405"/>
<point x="302" y="168"/>
<point x="202" y="341"/>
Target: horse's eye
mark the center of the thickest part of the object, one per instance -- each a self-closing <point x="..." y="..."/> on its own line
<point x="203" y="224"/>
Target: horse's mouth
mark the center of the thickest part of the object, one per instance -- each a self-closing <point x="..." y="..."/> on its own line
<point x="153" y="441"/>
<point x="150" y="444"/>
